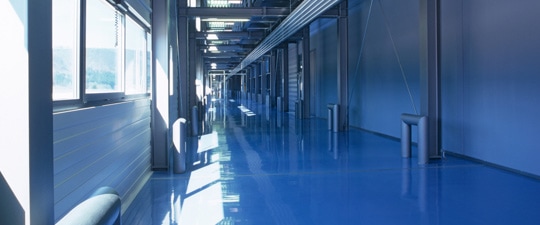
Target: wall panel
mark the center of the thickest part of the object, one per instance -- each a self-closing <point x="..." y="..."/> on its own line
<point x="384" y="70"/>
<point x="324" y="41"/>
<point x="490" y="77"/>
<point x="101" y="146"/>
<point x="293" y="76"/>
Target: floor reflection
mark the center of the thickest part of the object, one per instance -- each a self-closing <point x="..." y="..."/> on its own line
<point x="254" y="166"/>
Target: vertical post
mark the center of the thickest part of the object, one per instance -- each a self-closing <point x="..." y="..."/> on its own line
<point x="273" y="75"/>
<point x="285" y="78"/>
<point x="160" y="85"/>
<point x="40" y="120"/>
<point x="343" y="66"/>
<point x="264" y="82"/>
<point x="306" y="74"/>
<point x="429" y="72"/>
<point x="258" y="88"/>
<point x="423" y="151"/>
<point x="183" y="61"/>
<point x="193" y="58"/>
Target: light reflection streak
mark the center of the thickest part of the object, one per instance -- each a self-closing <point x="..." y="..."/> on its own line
<point x="204" y="207"/>
<point x="207" y="142"/>
<point x="201" y="200"/>
<point x="203" y="176"/>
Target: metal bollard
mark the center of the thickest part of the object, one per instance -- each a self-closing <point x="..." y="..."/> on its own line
<point x="268" y="105"/>
<point x="421" y="121"/>
<point x="299" y="111"/>
<point x="195" y="121"/>
<point x="179" y="141"/>
<point x="330" y="117"/>
<point x="333" y="117"/>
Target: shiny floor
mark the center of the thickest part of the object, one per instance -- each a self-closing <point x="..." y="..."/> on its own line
<point x="256" y="166"/>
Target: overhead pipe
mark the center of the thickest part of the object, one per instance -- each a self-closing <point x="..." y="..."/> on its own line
<point x="307" y="11"/>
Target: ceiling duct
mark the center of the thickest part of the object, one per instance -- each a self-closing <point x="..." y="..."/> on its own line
<point x="306" y="12"/>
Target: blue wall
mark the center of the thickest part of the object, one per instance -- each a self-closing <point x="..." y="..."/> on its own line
<point x="490" y="81"/>
<point x="324" y="42"/>
<point x="490" y="75"/>
<point x="378" y="92"/>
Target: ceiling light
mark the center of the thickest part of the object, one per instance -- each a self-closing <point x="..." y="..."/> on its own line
<point x="212" y="37"/>
<point x="213" y="49"/>
<point x="198" y="23"/>
<point x="235" y="1"/>
<point x="225" y="20"/>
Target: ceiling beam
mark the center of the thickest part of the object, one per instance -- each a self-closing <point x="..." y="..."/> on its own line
<point x="208" y="12"/>
<point x="231" y="35"/>
<point x="238" y="48"/>
<point x="247" y="12"/>
<point x="223" y="55"/>
<point x="223" y="60"/>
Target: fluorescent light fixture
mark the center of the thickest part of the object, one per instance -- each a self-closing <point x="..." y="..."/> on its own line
<point x="198" y="23"/>
<point x="219" y="30"/>
<point x="235" y="1"/>
<point x="225" y="20"/>
<point x="213" y="49"/>
<point x="212" y="37"/>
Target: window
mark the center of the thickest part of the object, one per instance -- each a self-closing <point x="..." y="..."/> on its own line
<point x="136" y="69"/>
<point x="104" y="55"/>
<point x="65" y="49"/>
<point x="103" y="48"/>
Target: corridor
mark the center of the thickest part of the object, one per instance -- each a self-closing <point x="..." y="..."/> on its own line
<point x="255" y="166"/>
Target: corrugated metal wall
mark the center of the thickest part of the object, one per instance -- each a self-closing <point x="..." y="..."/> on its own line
<point x="101" y="146"/>
<point x="293" y="75"/>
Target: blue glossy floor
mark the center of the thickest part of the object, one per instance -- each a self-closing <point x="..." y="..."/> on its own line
<point x="260" y="167"/>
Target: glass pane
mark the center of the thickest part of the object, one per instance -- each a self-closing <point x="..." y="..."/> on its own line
<point x="135" y="58"/>
<point x="103" y="48"/>
<point x="65" y="51"/>
<point x="149" y="62"/>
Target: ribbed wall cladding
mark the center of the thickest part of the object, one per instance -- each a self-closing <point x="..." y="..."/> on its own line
<point x="101" y="146"/>
<point x="293" y="76"/>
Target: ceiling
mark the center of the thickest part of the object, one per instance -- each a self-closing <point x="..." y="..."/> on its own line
<point x="229" y="30"/>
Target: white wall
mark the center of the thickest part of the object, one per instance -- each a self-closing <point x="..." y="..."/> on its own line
<point x="26" y="115"/>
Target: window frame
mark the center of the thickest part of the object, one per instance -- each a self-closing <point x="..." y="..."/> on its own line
<point x="95" y="99"/>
